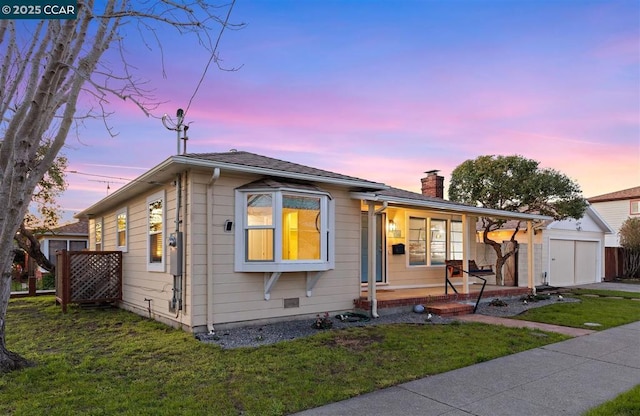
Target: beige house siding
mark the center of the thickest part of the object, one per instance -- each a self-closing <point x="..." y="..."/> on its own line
<point x="239" y="296"/>
<point x="138" y="283"/>
<point x="614" y="213"/>
<point x="399" y="273"/>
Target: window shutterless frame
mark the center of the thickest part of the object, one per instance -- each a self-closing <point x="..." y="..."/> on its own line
<point x="284" y="231"/>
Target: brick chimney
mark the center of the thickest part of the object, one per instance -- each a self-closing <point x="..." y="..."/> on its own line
<point x="433" y="184"/>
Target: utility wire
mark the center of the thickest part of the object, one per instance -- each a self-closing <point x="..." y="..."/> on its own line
<point x="212" y="57"/>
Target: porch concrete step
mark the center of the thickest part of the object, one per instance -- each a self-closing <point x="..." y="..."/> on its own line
<point x="450" y="309"/>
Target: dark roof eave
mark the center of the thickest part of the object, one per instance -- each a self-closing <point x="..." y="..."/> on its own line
<point x="175" y="164"/>
<point x="448" y="206"/>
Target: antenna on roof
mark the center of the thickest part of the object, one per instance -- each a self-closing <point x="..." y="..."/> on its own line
<point x="179" y="127"/>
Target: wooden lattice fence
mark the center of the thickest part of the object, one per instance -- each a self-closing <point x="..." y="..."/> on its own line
<point x="88" y="277"/>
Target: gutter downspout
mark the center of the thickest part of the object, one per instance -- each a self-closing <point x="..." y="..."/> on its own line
<point x="212" y="181"/>
<point x="530" y="265"/>
<point x="371" y="269"/>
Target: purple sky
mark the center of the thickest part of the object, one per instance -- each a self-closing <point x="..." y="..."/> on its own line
<point x="385" y="90"/>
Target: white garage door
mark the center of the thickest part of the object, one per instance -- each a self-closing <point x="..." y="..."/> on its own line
<point x="573" y="262"/>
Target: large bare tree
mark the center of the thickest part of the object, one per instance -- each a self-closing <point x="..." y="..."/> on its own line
<point x="46" y="66"/>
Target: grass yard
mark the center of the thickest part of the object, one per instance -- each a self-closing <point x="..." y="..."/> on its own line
<point x="109" y="361"/>
<point x="626" y="404"/>
<point x="596" y="306"/>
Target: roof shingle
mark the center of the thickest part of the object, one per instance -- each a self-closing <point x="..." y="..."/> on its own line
<point x="630" y="193"/>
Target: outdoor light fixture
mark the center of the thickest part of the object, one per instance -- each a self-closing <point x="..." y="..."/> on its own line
<point x="392" y="230"/>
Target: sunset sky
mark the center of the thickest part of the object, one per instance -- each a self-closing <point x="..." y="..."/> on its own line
<point x="385" y="90"/>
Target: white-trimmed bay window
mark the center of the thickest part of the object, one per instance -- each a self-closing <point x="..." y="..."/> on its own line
<point x="155" y="232"/>
<point x="281" y="230"/>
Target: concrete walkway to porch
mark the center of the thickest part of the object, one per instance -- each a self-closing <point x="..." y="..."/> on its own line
<point x="515" y="323"/>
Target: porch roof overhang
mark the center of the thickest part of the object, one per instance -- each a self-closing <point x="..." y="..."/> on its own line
<point x="408" y="200"/>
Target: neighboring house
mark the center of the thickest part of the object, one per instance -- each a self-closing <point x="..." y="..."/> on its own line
<point x="566" y="253"/>
<point x="72" y="237"/>
<point x="252" y="238"/>
<point x="615" y="208"/>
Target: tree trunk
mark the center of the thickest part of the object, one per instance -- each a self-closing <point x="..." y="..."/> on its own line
<point x="30" y="244"/>
<point x="9" y="361"/>
<point x="631" y="263"/>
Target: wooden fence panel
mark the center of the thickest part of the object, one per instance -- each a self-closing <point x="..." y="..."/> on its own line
<point x="88" y="277"/>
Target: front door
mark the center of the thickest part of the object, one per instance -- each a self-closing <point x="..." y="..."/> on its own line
<point x="364" y="247"/>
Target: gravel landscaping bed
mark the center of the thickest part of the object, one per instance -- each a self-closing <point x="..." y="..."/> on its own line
<point x="258" y="335"/>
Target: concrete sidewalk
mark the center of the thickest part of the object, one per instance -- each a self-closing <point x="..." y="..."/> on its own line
<point x="566" y="378"/>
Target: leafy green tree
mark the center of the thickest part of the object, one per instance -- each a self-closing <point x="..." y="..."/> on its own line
<point x="45" y="213"/>
<point x="630" y="243"/>
<point x="516" y="184"/>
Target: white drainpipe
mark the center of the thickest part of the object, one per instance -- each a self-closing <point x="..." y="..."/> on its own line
<point x="212" y="181"/>
<point x="371" y="271"/>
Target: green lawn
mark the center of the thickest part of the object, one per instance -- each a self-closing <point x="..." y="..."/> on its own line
<point x="596" y="306"/>
<point x="104" y="362"/>
<point x="107" y="361"/>
<point x="626" y="404"/>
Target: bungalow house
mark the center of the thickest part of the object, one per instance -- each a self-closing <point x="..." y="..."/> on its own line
<point x="566" y="253"/>
<point x="226" y="238"/>
<point x="73" y="236"/>
<point x="615" y="208"/>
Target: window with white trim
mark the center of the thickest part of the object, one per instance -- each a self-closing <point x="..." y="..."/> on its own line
<point x="283" y="230"/>
<point x="98" y="234"/>
<point x="438" y="242"/>
<point x="155" y="232"/>
<point x="417" y="241"/>
<point x="428" y="241"/>
<point x="455" y="245"/>
<point x="121" y="230"/>
<point x="634" y="209"/>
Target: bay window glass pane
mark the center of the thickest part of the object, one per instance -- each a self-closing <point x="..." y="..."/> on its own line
<point x="300" y="228"/>
<point x="417" y="241"/>
<point x="456" y="241"/>
<point x="438" y="241"/>
<point x="259" y="209"/>
<point x="259" y="244"/>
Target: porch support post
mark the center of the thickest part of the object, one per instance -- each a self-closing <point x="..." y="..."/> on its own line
<point x="371" y="265"/>
<point x="465" y="252"/>
<point x="530" y="282"/>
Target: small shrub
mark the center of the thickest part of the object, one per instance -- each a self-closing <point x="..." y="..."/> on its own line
<point x="498" y="302"/>
<point x="48" y="281"/>
<point x="323" y="322"/>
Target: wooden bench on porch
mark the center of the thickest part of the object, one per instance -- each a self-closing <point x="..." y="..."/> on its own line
<point x="454" y="269"/>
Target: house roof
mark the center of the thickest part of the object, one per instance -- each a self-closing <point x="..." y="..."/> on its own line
<point x="412" y="199"/>
<point x="589" y="212"/>
<point x="236" y="161"/>
<point x="79" y="228"/>
<point x="631" y="193"/>
<point x="247" y="162"/>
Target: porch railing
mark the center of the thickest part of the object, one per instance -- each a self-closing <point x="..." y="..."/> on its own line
<point x="461" y="270"/>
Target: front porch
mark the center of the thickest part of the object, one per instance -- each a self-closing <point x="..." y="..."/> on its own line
<point x="396" y="300"/>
